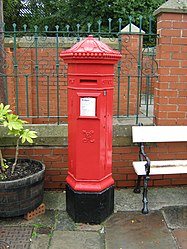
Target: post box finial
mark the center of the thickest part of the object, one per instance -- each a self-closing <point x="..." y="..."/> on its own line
<point x="90" y="36"/>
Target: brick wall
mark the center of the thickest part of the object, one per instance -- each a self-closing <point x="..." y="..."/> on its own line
<point x="56" y="162"/>
<point x="171" y="89"/>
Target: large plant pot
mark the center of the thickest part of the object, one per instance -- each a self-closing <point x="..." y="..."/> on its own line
<point x="21" y="196"/>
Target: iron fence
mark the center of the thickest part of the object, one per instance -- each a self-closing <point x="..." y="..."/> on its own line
<point x="34" y="80"/>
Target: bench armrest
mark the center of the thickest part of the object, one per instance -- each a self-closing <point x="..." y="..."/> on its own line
<point x="144" y="157"/>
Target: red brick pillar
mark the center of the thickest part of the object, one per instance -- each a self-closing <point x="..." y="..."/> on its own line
<point x="131" y="50"/>
<point x="170" y="103"/>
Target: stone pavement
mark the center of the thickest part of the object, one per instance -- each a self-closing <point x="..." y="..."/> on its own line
<point x="165" y="227"/>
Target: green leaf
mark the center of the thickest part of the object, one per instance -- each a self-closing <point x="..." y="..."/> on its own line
<point x="13" y="122"/>
<point x="33" y="134"/>
<point x="27" y="135"/>
<point x="5" y="166"/>
<point x="6" y="108"/>
<point x="16" y="133"/>
<point x="4" y="111"/>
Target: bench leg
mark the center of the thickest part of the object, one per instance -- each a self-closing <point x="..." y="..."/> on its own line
<point x="137" y="188"/>
<point x="145" y="209"/>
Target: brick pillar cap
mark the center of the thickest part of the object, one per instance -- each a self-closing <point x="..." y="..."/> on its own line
<point x="131" y="28"/>
<point x="172" y="6"/>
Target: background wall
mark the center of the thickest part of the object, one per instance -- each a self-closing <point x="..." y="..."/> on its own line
<point x="51" y="147"/>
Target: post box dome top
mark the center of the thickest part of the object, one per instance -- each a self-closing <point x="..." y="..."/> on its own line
<point x="90" y="48"/>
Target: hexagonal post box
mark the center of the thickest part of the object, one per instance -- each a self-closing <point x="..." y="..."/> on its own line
<point x="90" y="186"/>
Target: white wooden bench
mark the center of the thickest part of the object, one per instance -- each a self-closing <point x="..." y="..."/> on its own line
<point x="145" y="167"/>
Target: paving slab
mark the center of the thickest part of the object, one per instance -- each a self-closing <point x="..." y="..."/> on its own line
<point x="55" y="200"/>
<point x="181" y="237"/>
<point x="46" y="219"/>
<point x="126" y="200"/>
<point x="64" y="222"/>
<point x="89" y="227"/>
<point x="165" y="227"/>
<point x="176" y="217"/>
<point x="132" y="230"/>
<point x="40" y="242"/>
<point x="76" y="239"/>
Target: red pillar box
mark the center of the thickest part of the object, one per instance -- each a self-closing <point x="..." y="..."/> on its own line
<point x="90" y="186"/>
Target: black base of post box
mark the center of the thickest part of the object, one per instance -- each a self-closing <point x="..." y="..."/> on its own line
<point x="89" y="207"/>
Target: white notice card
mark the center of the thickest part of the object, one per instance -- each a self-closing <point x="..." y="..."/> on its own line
<point x="88" y="106"/>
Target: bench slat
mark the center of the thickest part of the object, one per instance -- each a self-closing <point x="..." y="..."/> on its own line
<point x="159" y="134"/>
<point x="162" y="167"/>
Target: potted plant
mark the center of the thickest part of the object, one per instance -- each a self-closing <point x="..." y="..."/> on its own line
<point x="21" y="180"/>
